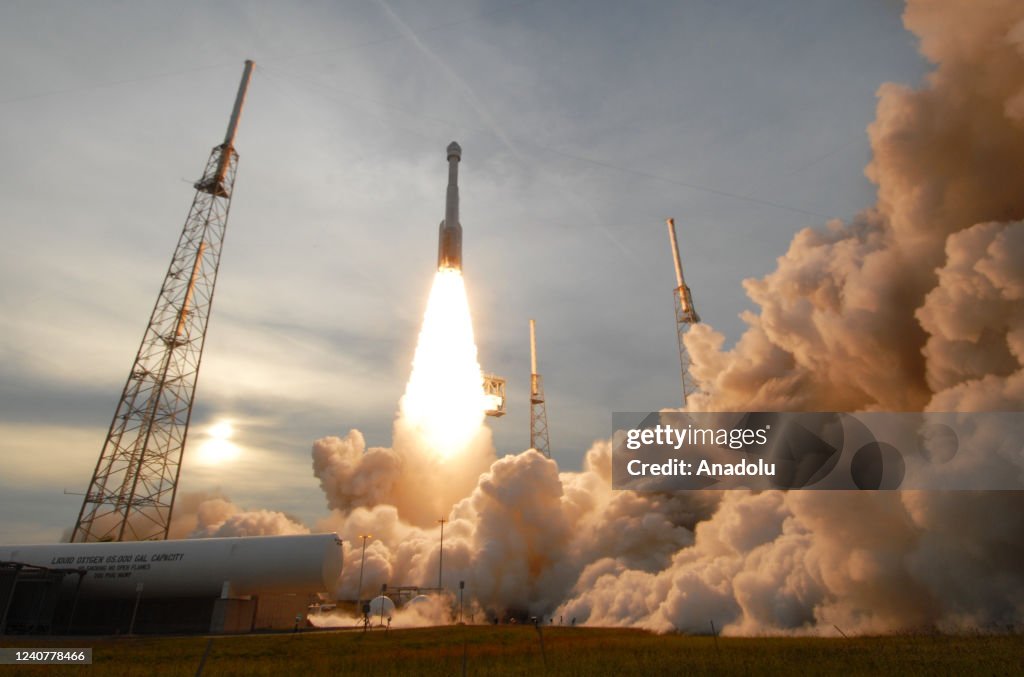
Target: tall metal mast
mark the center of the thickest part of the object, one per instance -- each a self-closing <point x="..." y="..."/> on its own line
<point x="686" y="314"/>
<point x="131" y="494"/>
<point x="538" y="408"/>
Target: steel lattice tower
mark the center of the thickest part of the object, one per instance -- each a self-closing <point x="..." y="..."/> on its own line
<point x="538" y="407"/>
<point x="131" y="494"/>
<point x="686" y="314"/>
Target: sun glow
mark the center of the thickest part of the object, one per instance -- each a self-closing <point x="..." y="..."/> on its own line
<point x="218" y="448"/>
<point x="444" y="399"/>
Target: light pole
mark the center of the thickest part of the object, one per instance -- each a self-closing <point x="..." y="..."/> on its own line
<point x="135" y="611"/>
<point x="440" y="555"/>
<point x="359" y="592"/>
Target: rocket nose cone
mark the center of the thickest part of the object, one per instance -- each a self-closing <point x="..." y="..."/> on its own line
<point x="454" y="150"/>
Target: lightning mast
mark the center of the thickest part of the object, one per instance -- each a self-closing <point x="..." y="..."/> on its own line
<point x="131" y="494"/>
<point x="686" y="314"/>
<point x="538" y="408"/>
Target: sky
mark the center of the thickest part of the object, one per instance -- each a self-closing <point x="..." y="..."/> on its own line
<point x="583" y="125"/>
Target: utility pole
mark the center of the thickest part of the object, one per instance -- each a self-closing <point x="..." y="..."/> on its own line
<point x="131" y="493"/>
<point x="362" y="563"/>
<point x="440" y="554"/>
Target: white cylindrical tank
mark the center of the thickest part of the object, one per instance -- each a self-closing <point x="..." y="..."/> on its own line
<point x="203" y="567"/>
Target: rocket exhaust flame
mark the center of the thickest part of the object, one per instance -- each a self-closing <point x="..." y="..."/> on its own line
<point x="444" y="399"/>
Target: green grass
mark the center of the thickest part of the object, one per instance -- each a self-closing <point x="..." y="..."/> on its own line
<point x="511" y="650"/>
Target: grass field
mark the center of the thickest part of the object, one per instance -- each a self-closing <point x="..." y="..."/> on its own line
<point x="511" y="650"/>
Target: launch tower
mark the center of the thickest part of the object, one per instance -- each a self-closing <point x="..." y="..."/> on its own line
<point x="131" y="494"/>
<point x="538" y="407"/>
<point x="686" y="314"/>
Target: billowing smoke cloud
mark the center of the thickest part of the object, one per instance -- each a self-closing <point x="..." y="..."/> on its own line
<point x="974" y="318"/>
<point x="409" y="476"/>
<point x="521" y="537"/>
<point x="212" y="514"/>
<point x="208" y="514"/>
<point x="870" y="315"/>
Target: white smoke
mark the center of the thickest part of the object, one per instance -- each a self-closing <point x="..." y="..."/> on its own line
<point x="212" y="514"/>
<point x="420" y="612"/>
<point x="975" y="321"/>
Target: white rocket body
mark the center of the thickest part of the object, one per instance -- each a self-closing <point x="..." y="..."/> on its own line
<point x="449" y="237"/>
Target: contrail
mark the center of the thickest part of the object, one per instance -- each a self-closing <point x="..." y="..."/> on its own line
<point x="458" y="82"/>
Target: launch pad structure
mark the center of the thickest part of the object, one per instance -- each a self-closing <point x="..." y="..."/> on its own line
<point x="494" y="395"/>
<point x="686" y="314"/>
<point x="132" y="490"/>
<point x="539" y="439"/>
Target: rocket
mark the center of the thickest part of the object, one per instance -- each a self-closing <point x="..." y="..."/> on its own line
<point x="449" y="236"/>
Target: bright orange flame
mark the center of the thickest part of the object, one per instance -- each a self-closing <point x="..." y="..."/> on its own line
<point x="444" y="399"/>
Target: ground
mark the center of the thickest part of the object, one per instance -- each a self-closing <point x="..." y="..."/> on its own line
<point x="519" y="650"/>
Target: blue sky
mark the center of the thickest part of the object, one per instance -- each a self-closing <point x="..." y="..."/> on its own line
<point x="583" y="125"/>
